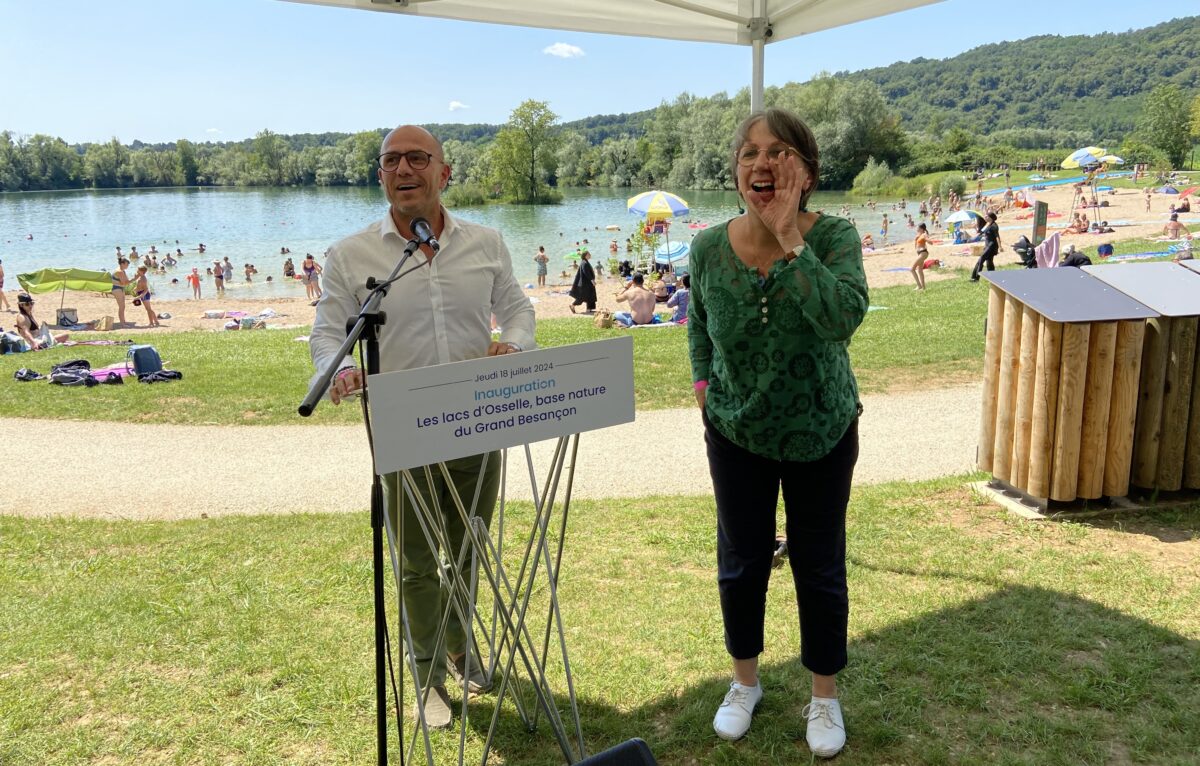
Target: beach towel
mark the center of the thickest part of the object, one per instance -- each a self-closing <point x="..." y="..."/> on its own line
<point x="1046" y="253"/>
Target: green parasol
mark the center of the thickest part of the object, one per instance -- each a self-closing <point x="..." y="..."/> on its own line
<point x="49" y="280"/>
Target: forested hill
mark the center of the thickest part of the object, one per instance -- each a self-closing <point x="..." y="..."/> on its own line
<point x="1081" y="82"/>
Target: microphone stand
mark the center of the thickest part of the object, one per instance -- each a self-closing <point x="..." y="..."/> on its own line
<point x="365" y="327"/>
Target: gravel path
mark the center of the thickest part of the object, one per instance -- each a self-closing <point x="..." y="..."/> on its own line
<point x="296" y="469"/>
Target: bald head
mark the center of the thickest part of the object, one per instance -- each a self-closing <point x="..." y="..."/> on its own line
<point x="411" y="134"/>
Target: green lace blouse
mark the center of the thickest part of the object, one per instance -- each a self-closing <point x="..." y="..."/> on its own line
<point x="774" y="349"/>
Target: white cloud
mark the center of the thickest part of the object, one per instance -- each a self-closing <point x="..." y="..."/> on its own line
<point x="213" y="130"/>
<point x="456" y="105"/>
<point x="564" y="51"/>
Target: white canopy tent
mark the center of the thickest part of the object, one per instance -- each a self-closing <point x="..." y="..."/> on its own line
<point x="738" y="22"/>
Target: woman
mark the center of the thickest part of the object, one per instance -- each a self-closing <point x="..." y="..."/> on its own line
<point x="312" y="282"/>
<point x="583" y="289"/>
<point x="36" y="336"/>
<point x="922" y="245"/>
<point x="776" y="294"/>
<point x="120" y="279"/>
<point x="218" y="274"/>
<point x="541" y="259"/>
<point x="141" y="290"/>
<point x="991" y="246"/>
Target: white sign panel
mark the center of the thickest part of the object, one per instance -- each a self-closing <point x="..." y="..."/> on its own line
<point x="432" y="414"/>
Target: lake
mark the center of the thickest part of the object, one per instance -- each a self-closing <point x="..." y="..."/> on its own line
<point x="81" y="229"/>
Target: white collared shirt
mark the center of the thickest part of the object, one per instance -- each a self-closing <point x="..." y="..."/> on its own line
<point x="440" y="312"/>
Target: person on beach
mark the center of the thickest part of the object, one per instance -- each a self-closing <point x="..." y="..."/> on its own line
<point x="36" y="336"/>
<point x="227" y="271"/>
<point x="193" y="279"/>
<point x="583" y="289"/>
<point x="541" y="259"/>
<point x="641" y="303"/>
<point x="3" y="298"/>
<point x="679" y="300"/>
<point x="141" y="290"/>
<point x="991" y="246"/>
<point x="218" y="278"/>
<point x="1175" y="229"/>
<point x="289" y="269"/>
<point x="437" y="314"/>
<point x="120" y="280"/>
<point x="312" y="277"/>
<point x="777" y="294"/>
<point x="921" y="242"/>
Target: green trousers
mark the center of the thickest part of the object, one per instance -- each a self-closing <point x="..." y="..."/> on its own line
<point x="424" y="597"/>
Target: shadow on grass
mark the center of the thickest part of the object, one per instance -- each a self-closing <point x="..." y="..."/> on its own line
<point x="1022" y="676"/>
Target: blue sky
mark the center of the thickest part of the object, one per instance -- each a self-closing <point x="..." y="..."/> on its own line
<point x="158" y="70"/>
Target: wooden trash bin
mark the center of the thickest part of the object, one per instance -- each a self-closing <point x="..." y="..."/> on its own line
<point x="1062" y="361"/>
<point x="1166" y="443"/>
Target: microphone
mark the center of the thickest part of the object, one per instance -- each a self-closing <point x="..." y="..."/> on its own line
<point x="423" y="233"/>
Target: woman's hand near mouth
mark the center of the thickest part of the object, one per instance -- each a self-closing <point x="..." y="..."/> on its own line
<point x="779" y="208"/>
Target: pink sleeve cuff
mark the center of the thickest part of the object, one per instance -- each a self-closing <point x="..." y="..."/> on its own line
<point x="700" y="385"/>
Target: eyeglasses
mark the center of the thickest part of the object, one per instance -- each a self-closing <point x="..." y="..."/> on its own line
<point x="748" y="155"/>
<point x="417" y="160"/>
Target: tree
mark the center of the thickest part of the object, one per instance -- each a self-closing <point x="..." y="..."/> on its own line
<point x="523" y="154"/>
<point x="1195" y="126"/>
<point x="185" y="159"/>
<point x="1165" y="122"/>
<point x="267" y="157"/>
<point x="106" y="166"/>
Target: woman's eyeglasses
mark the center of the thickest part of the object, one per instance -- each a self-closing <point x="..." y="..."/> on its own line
<point x="417" y="160"/>
<point x="748" y="155"/>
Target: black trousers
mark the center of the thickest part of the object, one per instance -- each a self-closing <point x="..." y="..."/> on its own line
<point x="815" y="496"/>
<point x="988" y="255"/>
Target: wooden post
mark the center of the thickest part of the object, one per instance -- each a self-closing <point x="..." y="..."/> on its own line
<point x="1093" y="438"/>
<point x="1064" y="474"/>
<point x="1127" y="366"/>
<point x="1045" y="406"/>
<point x="1191" y="459"/>
<point x="1181" y="357"/>
<point x="991" y="377"/>
<point x="1006" y="390"/>
<point x="1148" y="431"/>
<point x="1030" y="326"/>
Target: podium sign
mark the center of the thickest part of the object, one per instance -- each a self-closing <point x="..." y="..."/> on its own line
<point x="1041" y="211"/>
<point x="433" y="414"/>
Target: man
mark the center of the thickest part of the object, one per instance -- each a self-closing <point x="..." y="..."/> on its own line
<point x="1174" y="228"/>
<point x="438" y="314"/>
<point x="641" y="304"/>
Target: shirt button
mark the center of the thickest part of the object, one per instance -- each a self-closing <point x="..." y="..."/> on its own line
<point x="765" y="309"/>
<point x="764" y="320"/>
<point x="764" y="300"/>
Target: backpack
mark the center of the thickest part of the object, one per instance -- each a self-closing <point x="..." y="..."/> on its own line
<point x="143" y="360"/>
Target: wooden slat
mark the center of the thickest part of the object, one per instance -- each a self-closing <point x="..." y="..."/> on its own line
<point x="1064" y="475"/>
<point x="1093" y="439"/>
<point x="1177" y="392"/>
<point x="1006" y="390"/>
<point x="1148" y="430"/>
<point x="1122" y="412"/>
<point x="1045" y="407"/>
<point x="991" y="377"/>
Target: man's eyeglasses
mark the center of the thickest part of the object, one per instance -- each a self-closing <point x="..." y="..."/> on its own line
<point x="417" y="160"/>
<point x="748" y="155"/>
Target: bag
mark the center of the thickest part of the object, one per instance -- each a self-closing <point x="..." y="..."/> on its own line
<point x="25" y="375"/>
<point x="162" y="376"/>
<point x="66" y="317"/>
<point x="77" y="365"/>
<point x="137" y="301"/>
<point x="73" y="376"/>
<point x="603" y="320"/>
<point x="143" y="360"/>
<point x="105" y="323"/>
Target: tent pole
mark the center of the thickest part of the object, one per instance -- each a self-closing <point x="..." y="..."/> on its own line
<point x="760" y="30"/>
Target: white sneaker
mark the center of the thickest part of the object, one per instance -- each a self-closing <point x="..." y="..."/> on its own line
<point x="733" y="717"/>
<point x="826" y="733"/>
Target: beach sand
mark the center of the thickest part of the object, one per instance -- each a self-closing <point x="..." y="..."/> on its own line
<point x="885" y="267"/>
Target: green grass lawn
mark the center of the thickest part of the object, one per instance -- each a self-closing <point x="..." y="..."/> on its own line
<point x="260" y="377"/>
<point x="975" y="638"/>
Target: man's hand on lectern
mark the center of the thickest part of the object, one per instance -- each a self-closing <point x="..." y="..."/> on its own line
<point x="499" y="349"/>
